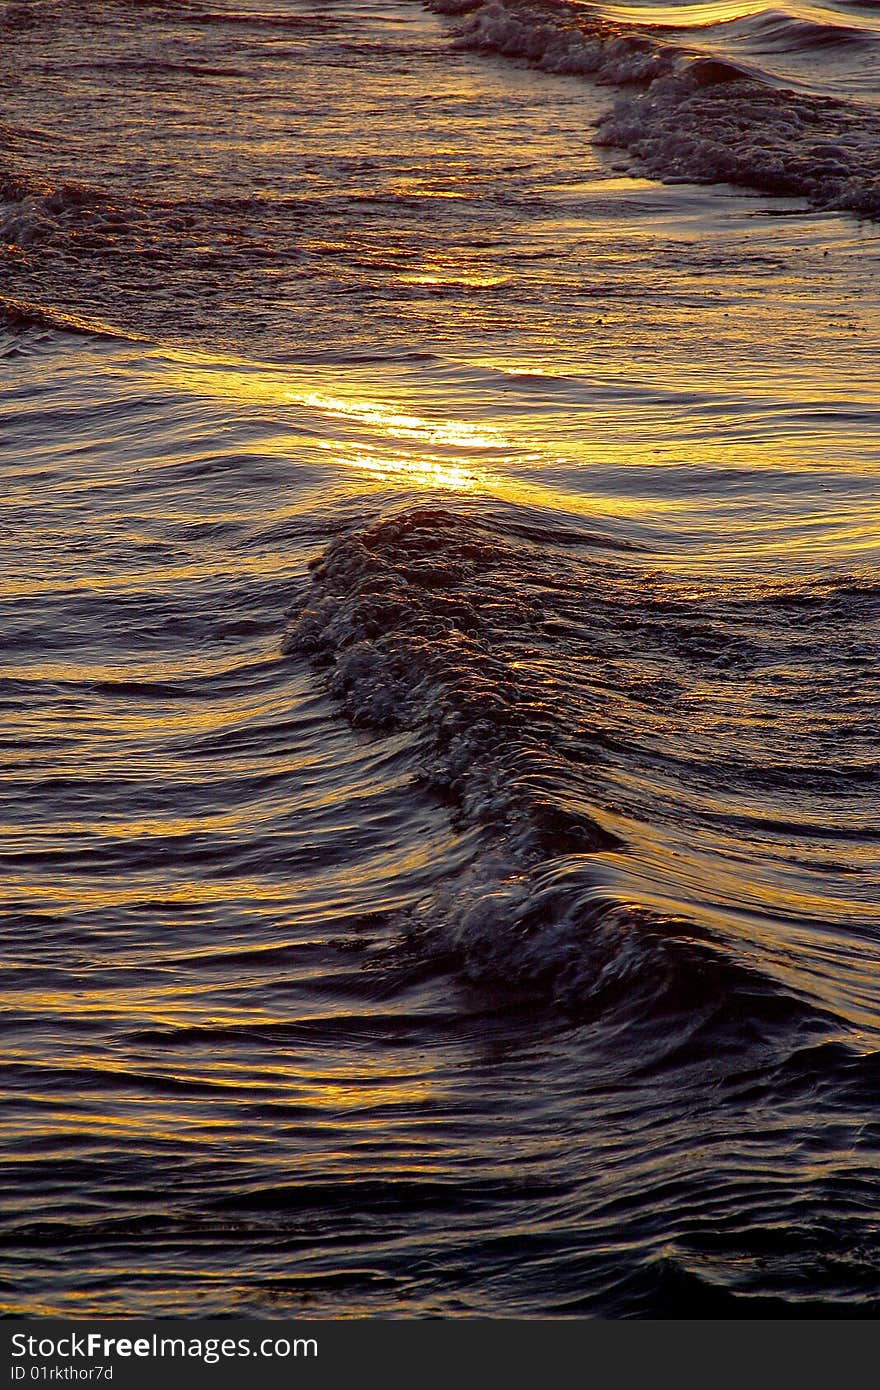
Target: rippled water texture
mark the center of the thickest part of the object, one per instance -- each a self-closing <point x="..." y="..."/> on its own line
<point x="440" y="626"/>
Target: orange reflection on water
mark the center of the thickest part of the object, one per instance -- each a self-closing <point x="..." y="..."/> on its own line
<point x="452" y="277"/>
<point x="712" y="12"/>
<point x="390" y="421"/>
<point x="419" y="470"/>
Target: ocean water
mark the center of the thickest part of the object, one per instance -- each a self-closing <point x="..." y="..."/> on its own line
<point x="441" y="456"/>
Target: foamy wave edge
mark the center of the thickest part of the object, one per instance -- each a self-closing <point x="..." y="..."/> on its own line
<point x="691" y="117"/>
<point x="414" y="622"/>
<point x="21" y="314"/>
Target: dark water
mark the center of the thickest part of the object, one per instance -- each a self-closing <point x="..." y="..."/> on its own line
<point x="439" y="661"/>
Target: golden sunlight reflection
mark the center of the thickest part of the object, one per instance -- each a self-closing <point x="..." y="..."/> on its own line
<point x="420" y="470"/>
<point x="342" y="1081"/>
<point x="572" y="447"/>
<point x="453" y="277"/>
<point x="390" y="420"/>
<point x="464" y="477"/>
<point x="719" y="12"/>
<point x="413" y="188"/>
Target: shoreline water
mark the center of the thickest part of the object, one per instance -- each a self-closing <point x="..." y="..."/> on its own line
<point x="501" y="941"/>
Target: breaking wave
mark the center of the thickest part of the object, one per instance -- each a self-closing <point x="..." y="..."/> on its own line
<point x="538" y="682"/>
<point x="696" y="114"/>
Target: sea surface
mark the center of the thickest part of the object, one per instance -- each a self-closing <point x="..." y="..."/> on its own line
<point x="439" y="673"/>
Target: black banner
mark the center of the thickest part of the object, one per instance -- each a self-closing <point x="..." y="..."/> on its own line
<point x="130" y="1354"/>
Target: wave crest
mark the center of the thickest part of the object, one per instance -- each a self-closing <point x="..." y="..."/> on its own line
<point x="696" y="116"/>
<point x="408" y="612"/>
<point x="446" y="626"/>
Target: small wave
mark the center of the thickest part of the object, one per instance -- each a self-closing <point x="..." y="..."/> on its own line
<point x="447" y="627"/>
<point x="778" y="142"/>
<point x="799" y="29"/>
<point x="695" y="115"/>
<point x="33" y="211"/>
<point x="18" y="313"/>
<point x="796" y="34"/>
<point x="405" y="612"/>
